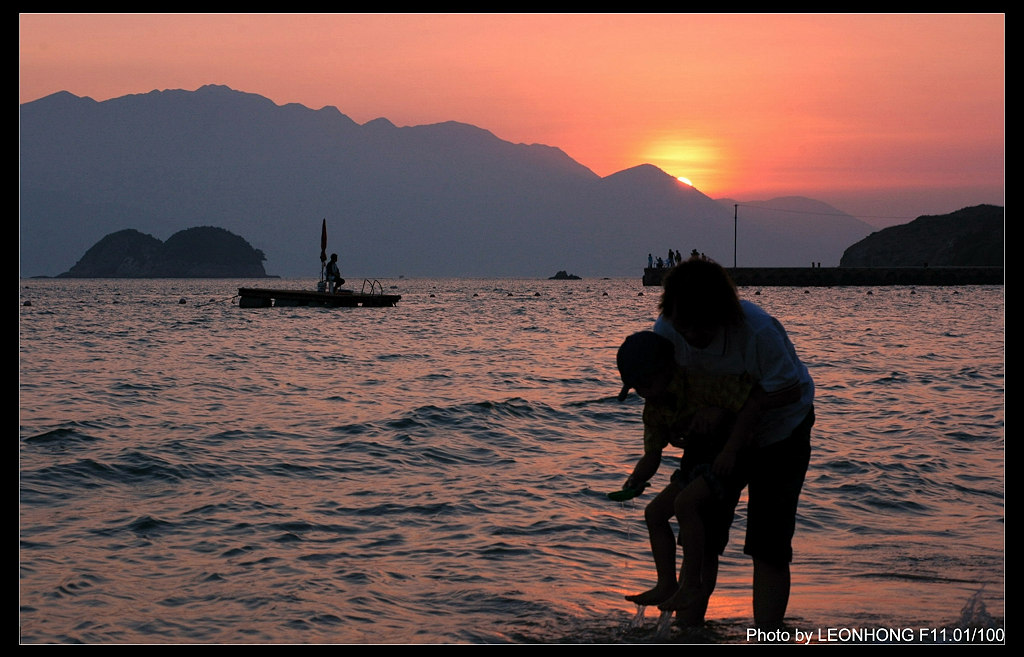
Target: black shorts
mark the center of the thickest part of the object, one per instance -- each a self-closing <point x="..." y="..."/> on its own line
<point x="773" y="493"/>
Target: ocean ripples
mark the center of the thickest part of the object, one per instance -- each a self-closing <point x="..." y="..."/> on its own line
<point x="62" y="437"/>
<point x="438" y="471"/>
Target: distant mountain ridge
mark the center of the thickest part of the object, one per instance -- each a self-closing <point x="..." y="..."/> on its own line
<point x="447" y="199"/>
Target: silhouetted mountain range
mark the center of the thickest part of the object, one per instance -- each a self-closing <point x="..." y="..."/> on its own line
<point x="447" y="199"/>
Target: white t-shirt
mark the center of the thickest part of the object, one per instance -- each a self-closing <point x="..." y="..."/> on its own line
<point x="760" y="348"/>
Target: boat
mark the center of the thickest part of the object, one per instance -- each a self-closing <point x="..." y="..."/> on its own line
<point x="370" y="296"/>
<point x="254" y="297"/>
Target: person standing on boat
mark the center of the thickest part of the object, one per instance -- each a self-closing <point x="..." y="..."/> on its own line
<point x="334" y="274"/>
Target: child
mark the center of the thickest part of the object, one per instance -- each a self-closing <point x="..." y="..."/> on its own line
<point x="693" y="412"/>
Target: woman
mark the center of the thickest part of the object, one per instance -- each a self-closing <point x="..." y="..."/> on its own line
<point x="715" y="333"/>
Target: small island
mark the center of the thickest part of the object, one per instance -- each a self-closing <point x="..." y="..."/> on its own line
<point x="562" y="275"/>
<point x="202" y="252"/>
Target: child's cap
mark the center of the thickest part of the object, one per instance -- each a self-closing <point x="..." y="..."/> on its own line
<point x="640" y="357"/>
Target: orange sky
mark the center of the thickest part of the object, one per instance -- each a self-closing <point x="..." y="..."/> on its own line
<point x="880" y="115"/>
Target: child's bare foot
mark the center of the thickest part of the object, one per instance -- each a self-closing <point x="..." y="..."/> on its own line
<point x="655" y="596"/>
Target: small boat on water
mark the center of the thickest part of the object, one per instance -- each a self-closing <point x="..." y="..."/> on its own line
<point x="254" y="297"/>
<point x="371" y="296"/>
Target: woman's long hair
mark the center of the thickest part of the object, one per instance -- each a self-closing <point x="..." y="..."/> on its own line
<point x="699" y="292"/>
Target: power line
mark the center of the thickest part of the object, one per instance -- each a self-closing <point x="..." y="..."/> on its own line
<point x="823" y="214"/>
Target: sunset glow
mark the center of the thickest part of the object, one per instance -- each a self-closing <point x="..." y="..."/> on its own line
<point x="876" y="114"/>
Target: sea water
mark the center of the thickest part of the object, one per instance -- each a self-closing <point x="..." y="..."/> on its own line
<point x="195" y="472"/>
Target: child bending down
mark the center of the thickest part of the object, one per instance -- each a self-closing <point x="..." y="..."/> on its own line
<point x="695" y="412"/>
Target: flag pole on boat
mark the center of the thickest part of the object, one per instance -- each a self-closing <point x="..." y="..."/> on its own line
<point x="323" y="249"/>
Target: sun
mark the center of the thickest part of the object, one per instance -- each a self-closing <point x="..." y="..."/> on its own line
<point x="685" y="180"/>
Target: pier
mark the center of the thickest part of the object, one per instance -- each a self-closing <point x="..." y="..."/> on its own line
<point x="849" y="276"/>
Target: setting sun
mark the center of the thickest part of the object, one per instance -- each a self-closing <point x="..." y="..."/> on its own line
<point x="685" y="180"/>
<point x="795" y="106"/>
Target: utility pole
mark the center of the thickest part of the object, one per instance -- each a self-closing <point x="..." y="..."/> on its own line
<point x="735" y="211"/>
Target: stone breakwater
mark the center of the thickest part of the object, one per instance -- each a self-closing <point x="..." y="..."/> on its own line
<point x="852" y="276"/>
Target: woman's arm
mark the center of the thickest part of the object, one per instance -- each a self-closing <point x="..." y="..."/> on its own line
<point x="758" y="403"/>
